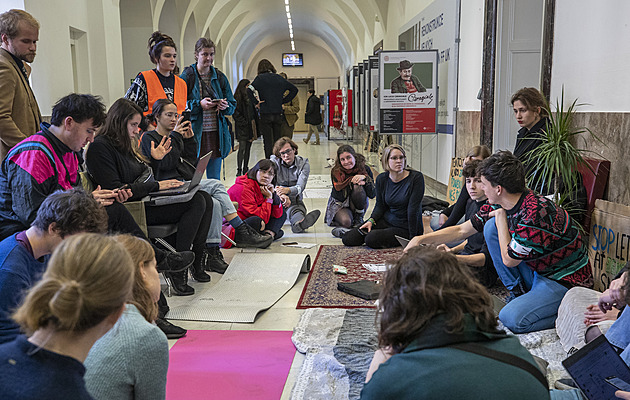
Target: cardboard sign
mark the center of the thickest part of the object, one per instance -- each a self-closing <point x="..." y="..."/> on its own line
<point x="609" y="242"/>
<point x="455" y="180"/>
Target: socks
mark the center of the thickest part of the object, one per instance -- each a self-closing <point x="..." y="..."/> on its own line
<point x="236" y="222"/>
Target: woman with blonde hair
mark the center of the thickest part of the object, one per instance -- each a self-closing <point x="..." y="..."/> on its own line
<point x="79" y="298"/>
<point x="398" y="208"/>
<point x="117" y="364"/>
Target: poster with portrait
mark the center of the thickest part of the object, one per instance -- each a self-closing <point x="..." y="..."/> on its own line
<point x="408" y="95"/>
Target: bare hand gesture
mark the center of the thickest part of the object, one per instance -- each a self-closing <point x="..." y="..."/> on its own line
<point x="207" y="104"/>
<point x="367" y="226"/>
<point x="170" y="184"/>
<point x="267" y="192"/>
<point x="158" y="153"/>
<point x="358" y="180"/>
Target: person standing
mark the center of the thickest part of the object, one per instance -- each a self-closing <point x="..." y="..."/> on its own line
<point x="244" y="126"/>
<point x="19" y="113"/>
<point x="290" y="110"/>
<point x="210" y="100"/>
<point x="160" y="82"/>
<point x="271" y="89"/>
<point x="313" y="116"/>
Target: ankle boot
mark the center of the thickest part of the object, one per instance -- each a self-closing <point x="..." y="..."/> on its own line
<point x="179" y="283"/>
<point x="199" y="265"/>
<point x="215" y="262"/>
<point x="246" y="236"/>
<point x="357" y="218"/>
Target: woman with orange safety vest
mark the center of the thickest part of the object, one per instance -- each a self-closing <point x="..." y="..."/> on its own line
<point x="160" y="82"/>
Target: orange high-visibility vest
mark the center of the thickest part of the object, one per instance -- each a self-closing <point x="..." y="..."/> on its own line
<point x="155" y="91"/>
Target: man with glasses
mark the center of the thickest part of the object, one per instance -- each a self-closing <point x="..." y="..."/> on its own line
<point x="293" y="172"/>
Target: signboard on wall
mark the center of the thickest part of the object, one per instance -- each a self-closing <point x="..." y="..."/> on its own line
<point x="408" y="94"/>
<point x="373" y="93"/>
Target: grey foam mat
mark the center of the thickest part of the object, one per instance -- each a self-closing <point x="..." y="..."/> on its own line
<point x="253" y="283"/>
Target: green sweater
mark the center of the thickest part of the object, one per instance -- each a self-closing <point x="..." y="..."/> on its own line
<point x="429" y="369"/>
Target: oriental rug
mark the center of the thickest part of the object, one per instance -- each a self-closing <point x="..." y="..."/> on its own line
<point x="320" y="289"/>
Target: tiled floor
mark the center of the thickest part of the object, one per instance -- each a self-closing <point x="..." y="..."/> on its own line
<point x="283" y="315"/>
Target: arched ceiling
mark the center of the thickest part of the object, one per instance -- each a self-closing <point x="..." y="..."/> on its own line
<point x="242" y="28"/>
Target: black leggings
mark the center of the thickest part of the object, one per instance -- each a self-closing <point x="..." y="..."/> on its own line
<point x="271" y="130"/>
<point x="358" y="199"/>
<point x="274" y="224"/>
<point x="380" y="237"/>
<point x="242" y="157"/>
<point x="192" y="218"/>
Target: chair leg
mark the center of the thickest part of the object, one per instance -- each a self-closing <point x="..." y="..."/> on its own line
<point x="170" y="248"/>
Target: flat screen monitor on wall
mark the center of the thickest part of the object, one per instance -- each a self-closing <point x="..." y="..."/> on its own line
<point x="292" y="60"/>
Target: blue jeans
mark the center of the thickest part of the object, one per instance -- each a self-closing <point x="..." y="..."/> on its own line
<point x="537" y="309"/>
<point x="222" y="206"/>
<point x="619" y="334"/>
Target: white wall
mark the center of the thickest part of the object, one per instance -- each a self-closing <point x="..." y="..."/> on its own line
<point x="591" y="57"/>
<point x="470" y="54"/>
<point x="317" y="62"/>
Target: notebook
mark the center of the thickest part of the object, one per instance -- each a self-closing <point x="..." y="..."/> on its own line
<point x="593" y="364"/>
<point x="188" y="185"/>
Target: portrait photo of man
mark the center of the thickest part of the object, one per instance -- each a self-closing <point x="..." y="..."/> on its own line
<point x="406" y="82"/>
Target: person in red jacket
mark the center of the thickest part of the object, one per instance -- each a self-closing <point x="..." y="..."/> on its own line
<point x="258" y="204"/>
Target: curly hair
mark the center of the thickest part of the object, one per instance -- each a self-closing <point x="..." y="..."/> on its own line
<point x="72" y="211"/>
<point x="505" y="169"/>
<point x="531" y="99"/>
<point x="425" y="283"/>
<point x="470" y="169"/>
<point x="81" y="107"/>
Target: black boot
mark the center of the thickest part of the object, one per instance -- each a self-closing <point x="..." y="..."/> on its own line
<point x="246" y="236"/>
<point x="215" y="263"/>
<point x="179" y="283"/>
<point x="198" y="268"/>
<point x="171" y="331"/>
<point x="175" y="262"/>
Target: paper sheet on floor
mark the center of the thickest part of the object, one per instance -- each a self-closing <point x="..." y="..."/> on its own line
<point x="376" y="267"/>
<point x="252" y="283"/>
<point x="300" y="245"/>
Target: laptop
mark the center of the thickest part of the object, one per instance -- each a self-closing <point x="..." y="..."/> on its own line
<point x="188" y="185"/>
<point x="594" y="366"/>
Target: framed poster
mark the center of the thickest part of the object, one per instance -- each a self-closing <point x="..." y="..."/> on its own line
<point x="408" y="95"/>
<point x="355" y="86"/>
<point x="373" y="93"/>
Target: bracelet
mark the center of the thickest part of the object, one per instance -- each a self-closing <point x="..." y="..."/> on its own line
<point x="270" y="200"/>
<point x="372" y="221"/>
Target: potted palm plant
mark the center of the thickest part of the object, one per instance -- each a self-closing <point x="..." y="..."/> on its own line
<point x="558" y="157"/>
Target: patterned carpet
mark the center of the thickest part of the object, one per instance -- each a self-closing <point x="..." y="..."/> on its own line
<point x="321" y="287"/>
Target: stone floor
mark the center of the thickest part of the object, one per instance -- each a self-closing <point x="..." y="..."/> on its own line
<point x="283" y="315"/>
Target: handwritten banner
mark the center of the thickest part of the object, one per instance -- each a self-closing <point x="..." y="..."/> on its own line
<point x="455" y="180"/>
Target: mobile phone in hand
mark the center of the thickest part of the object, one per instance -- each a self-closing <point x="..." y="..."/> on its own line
<point x="618" y="383"/>
<point x="123" y="187"/>
<point x="186" y="116"/>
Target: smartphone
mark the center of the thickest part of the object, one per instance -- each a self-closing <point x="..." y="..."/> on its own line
<point x="186" y="116"/>
<point x="216" y="101"/>
<point x="123" y="187"/>
<point x="363" y="231"/>
<point x="618" y="383"/>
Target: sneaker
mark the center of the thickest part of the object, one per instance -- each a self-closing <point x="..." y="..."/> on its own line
<point x="176" y="262"/>
<point x="279" y="235"/>
<point x="215" y="261"/>
<point x="171" y="331"/>
<point x="308" y="221"/>
<point x="340" y="231"/>
<point x="305" y="141"/>
<point x="246" y="236"/>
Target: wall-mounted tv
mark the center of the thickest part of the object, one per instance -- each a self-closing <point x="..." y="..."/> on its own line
<point x="292" y="60"/>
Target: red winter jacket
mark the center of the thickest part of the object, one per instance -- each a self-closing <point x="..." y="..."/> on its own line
<point x="246" y="192"/>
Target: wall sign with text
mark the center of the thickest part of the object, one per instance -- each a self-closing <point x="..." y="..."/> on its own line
<point x="408" y="95"/>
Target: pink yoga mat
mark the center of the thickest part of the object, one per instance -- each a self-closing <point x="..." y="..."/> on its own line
<point x="229" y="365"/>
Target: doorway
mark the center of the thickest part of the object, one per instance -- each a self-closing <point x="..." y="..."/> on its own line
<point x="519" y="42"/>
<point x="300" y="125"/>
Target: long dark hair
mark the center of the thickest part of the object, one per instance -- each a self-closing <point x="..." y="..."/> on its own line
<point x="265" y="164"/>
<point x="240" y="93"/>
<point x="115" y="128"/>
<point x="266" y="66"/>
<point x="359" y="159"/>
<point x="425" y="283"/>
<point x="156" y="43"/>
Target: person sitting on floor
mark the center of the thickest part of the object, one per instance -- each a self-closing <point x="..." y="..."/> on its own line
<point x="293" y="172"/>
<point x="443" y="349"/>
<point x="353" y="185"/>
<point x="117" y="365"/>
<point x="114" y="161"/>
<point x="535" y="246"/>
<point x="79" y="298"/>
<point x="398" y="209"/>
<point x="473" y="251"/>
<point x="24" y="255"/>
<point x="178" y="162"/>
<point x="258" y="203"/>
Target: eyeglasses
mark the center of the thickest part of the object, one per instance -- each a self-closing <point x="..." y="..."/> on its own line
<point x="171" y="115"/>
<point x="398" y="158"/>
<point x="286" y="152"/>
